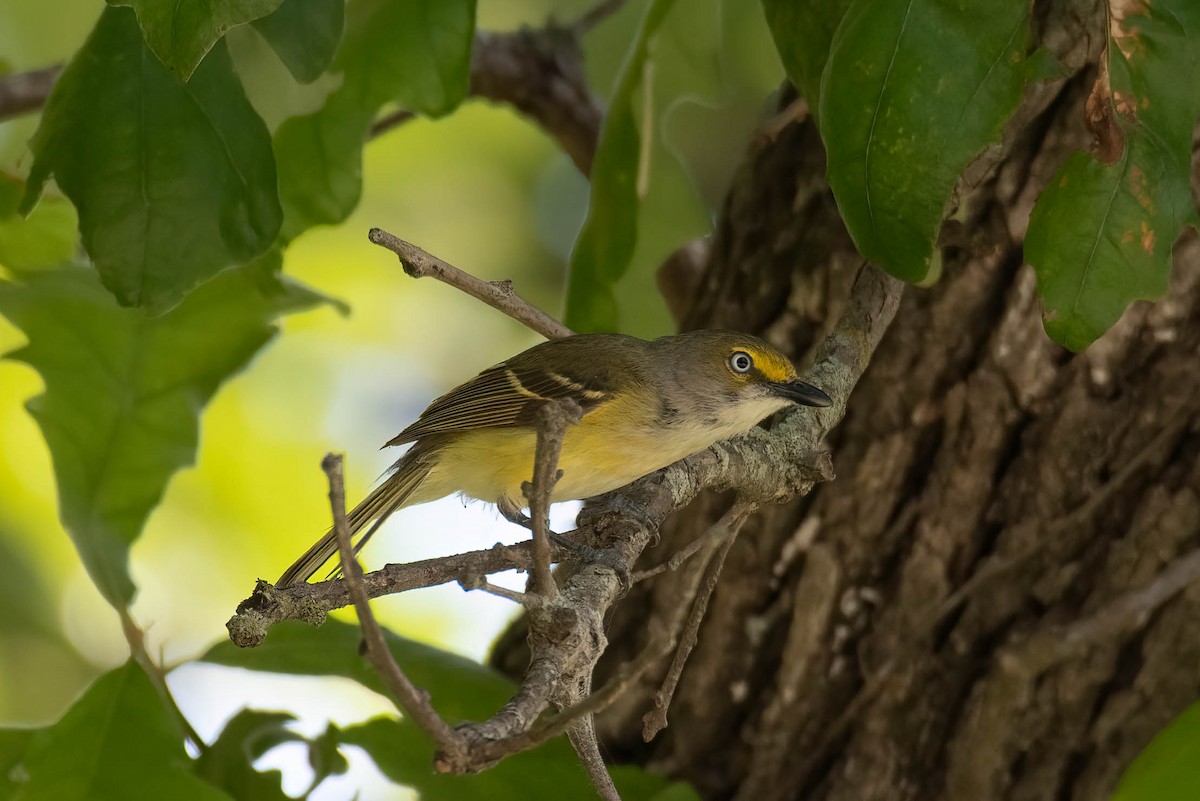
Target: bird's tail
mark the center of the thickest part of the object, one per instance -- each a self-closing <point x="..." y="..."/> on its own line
<point x="383" y="500"/>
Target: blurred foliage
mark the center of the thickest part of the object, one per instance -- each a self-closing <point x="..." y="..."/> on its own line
<point x="482" y="187"/>
<point x="1167" y="770"/>
<point x="460" y="689"/>
<point x="194" y="154"/>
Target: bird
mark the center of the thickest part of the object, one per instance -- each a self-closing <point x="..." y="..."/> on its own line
<point x="645" y="405"/>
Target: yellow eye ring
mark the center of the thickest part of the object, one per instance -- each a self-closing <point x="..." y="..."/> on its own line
<point x="741" y="362"/>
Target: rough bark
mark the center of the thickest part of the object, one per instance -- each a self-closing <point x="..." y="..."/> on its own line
<point x="834" y="662"/>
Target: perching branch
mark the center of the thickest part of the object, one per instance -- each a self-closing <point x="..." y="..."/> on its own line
<point x="497" y="294"/>
<point x="567" y="631"/>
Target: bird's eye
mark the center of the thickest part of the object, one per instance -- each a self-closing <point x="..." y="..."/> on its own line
<point x="740" y="361"/>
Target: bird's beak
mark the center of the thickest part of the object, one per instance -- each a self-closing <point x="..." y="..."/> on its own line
<point x="800" y="392"/>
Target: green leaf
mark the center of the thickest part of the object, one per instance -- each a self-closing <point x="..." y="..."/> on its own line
<point x="118" y="741"/>
<point x="414" y="52"/>
<point x="1102" y="232"/>
<point x="461" y="689"/>
<point x="325" y="756"/>
<point x="802" y="34"/>
<point x="11" y="189"/>
<point x="305" y="35"/>
<point x="182" y="32"/>
<point x="229" y="762"/>
<point x="606" y="241"/>
<point x="124" y="392"/>
<point x="173" y="182"/>
<point x="1166" y="769"/>
<point x="912" y="92"/>
<point x="404" y="754"/>
<point x="43" y="239"/>
<point x="13" y="745"/>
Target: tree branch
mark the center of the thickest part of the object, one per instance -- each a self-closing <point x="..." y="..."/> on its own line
<point x="412" y="701"/>
<point x="23" y="92"/>
<point x="553" y="418"/>
<point x="497" y="294"/>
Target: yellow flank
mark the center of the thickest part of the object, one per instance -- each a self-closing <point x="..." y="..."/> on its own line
<point x="606" y="450"/>
<point x="612" y="446"/>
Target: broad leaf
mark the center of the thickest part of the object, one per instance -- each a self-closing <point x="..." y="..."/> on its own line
<point x="461" y="689"/>
<point x="181" y="32"/>
<point x="173" y="182"/>
<point x="228" y="762"/>
<point x="305" y="35"/>
<point x="912" y="92"/>
<point x="413" y="52"/>
<point x="118" y="741"/>
<point x="123" y="392"/>
<point x="1167" y="769"/>
<point x="44" y="238"/>
<point x="324" y="755"/>
<point x="803" y="32"/>
<point x="606" y="241"/>
<point x="404" y="754"/>
<point x="1101" y="234"/>
<point x="13" y="745"/>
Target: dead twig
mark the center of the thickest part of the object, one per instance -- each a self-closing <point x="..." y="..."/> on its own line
<point x="553" y="418"/>
<point x="269" y="605"/>
<point x="412" y="701"/>
<point x="718" y="531"/>
<point x="497" y="294"/>
<point x="23" y="92"/>
<point x="727" y="527"/>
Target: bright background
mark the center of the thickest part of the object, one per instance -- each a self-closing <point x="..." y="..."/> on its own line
<point x="483" y="189"/>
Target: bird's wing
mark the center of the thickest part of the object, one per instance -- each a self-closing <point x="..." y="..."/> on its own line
<point x="503" y="396"/>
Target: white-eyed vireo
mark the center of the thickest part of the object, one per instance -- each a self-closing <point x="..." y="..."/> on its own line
<point x="645" y="405"/>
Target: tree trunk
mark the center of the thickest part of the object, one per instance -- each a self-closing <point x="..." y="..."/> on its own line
<point x="912" y="630"/>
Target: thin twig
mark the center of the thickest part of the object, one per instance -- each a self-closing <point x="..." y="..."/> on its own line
<point x="389" y="121"/>
<point x="23" y="92"/>
<point x="158" y="677"/>
<point x="716" y="532"/>
<point x="483" y="585"/>
<point x="497" y="294"/>
<point x="582" y="737"/>
<point x="598" y="701"/>
<point x="655" y="720"/>
<point x="552" y="421"/>
<point x="412" y="701"/>
<point x="269" y="604"/>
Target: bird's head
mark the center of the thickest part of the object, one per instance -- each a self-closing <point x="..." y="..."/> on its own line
<point x="736" y="378"/>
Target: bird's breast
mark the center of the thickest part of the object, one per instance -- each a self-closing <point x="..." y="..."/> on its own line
<point x="612" y="446"/>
